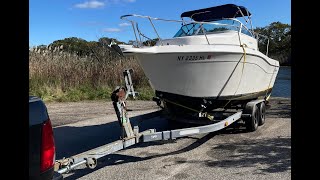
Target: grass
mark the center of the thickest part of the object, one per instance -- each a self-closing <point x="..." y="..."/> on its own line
<point x="55" y="94"/>
<point x="145" y="93"/>
<point x="63" y="77"/>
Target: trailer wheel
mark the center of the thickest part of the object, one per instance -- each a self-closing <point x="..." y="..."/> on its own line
<point x="252" y="122"/>
<point x="262" y="114"/>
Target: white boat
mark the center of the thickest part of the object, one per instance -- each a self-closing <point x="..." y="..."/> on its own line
<point x="213" y="61"/>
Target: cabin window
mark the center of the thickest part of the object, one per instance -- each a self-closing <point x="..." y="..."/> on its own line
<point x="245" y="31"/>
<point x="188" y="30"/>
<point x="218" y="26"/>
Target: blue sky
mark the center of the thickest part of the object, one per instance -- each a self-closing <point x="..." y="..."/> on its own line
<point x="92" y="19"/>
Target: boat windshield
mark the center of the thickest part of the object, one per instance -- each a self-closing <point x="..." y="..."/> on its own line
<point x="218" y="26"/>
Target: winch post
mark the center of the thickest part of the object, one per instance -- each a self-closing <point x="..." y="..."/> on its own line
<point x="119" y="96"/>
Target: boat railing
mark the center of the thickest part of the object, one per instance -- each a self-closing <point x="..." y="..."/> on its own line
<point x="266" y="38"/>
<point x="136" y="30"/>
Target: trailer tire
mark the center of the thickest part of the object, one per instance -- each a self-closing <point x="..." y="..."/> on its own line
<point x="252" y="122"/>
<point x="262" y="113"/>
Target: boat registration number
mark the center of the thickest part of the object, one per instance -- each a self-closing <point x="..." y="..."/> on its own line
<point x="190" y="58"/>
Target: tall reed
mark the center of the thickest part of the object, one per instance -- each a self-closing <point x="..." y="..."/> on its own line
<point x="55" y="75"/>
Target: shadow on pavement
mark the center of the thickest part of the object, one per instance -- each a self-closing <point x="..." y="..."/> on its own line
<point x="70" y="140"/>
<point x="273" y="155"/>
<point x="116" y="159"/>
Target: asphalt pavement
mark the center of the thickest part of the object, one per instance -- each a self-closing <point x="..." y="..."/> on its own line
<point x="232" y="153"/>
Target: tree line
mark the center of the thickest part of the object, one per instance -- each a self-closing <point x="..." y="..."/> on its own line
<point x="279" y="35"/>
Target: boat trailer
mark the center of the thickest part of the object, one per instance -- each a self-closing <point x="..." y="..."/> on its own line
<point x="253" y="111"/>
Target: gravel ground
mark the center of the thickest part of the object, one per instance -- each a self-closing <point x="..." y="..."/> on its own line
<point x="229" y="154"/>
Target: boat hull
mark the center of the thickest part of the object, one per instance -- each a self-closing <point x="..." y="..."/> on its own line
<point x="217" y="75"/>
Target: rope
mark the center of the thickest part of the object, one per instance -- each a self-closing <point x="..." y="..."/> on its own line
<point x="267" y="98"/>
<point x="206" y="115"/>
<point x="244" y="54"/>
<point x="244" y="61"/>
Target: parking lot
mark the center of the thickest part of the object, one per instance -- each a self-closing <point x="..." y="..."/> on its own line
<point x="229" y="154"/>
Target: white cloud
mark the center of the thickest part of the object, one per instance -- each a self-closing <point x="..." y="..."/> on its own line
<point x="124" y="24"/>
<point x="94" y="4"/>
<point x="122" y="1"/>
<point x="90" y="5"/>
<point x="111" y="30"/>
<point x="93" y="23"/>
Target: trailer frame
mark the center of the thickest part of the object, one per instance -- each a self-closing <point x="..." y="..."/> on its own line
<point x="251" y="114"/>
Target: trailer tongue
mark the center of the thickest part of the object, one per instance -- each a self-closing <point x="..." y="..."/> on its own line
<point x="131" y="136"/>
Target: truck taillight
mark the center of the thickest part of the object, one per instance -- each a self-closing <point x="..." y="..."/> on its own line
<point x="47" y="147"/>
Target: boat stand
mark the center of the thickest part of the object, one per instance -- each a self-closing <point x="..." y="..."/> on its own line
<point x="131" y="136"/>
